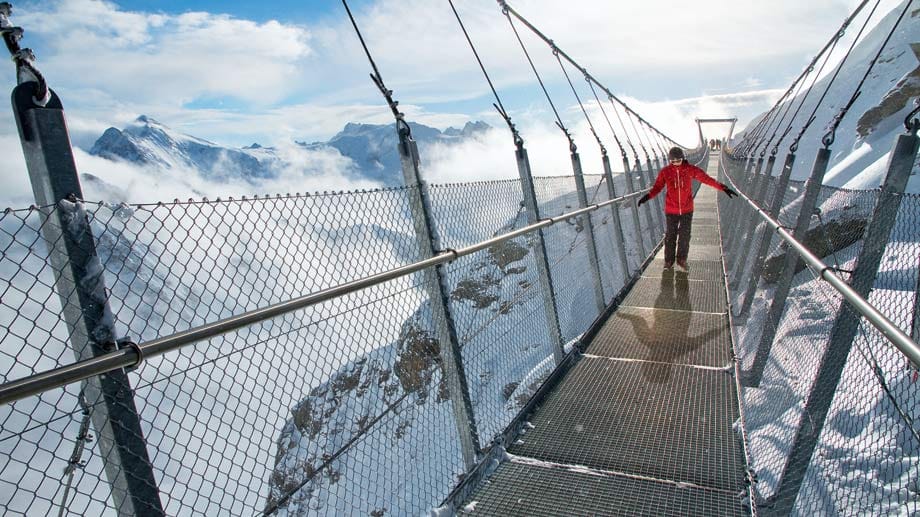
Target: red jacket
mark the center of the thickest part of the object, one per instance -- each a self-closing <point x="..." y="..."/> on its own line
<point x="678" y="199"/>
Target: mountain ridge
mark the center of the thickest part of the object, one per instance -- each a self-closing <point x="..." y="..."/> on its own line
<point x="371" y="148"/>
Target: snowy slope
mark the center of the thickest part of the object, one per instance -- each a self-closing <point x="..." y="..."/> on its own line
<point x="867" y="133"/>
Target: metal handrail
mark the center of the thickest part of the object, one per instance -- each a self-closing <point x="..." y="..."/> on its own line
<point x="888" y="328"/>
<point x="133" y="355"/>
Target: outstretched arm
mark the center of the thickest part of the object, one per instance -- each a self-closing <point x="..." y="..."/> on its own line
<point x="702" y="177"/>
<point x="656" y="188"/>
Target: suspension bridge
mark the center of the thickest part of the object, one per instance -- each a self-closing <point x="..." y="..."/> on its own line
<point x="513" y="347"/>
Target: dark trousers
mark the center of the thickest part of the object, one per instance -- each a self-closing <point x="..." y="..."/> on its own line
<point x="677" y="236"/>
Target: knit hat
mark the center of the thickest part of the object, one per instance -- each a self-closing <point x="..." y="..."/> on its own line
<point x="676" y="153"/>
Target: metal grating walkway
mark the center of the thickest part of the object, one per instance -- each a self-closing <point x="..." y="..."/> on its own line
<point x="642" y="423"/>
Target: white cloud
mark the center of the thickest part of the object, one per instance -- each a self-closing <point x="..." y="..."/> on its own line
<point x="169" y="60"/>
<point x="17" y="191"/>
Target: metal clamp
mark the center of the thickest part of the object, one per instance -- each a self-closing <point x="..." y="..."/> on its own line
<point x="124" y="343"/>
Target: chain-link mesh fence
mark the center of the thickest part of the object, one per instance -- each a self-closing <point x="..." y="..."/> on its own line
<point x="342" y="407"/>
<point x="867" y="456"/>
<point x="339" y="408"/>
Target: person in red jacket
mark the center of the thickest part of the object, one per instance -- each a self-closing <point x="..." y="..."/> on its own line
<point x="678" y="178"/>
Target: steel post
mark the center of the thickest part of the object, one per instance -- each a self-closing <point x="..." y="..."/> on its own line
<point x="80" y="283"/>
<point x="846" y="326"/>
<point x="439" y="295"/>
<point x="588" y="225"/>
<point x="743" y="244"/>
<point x="619" y="242"/>
<point x="734" y="209"/>
<point x="766" y="237"/>
<point x="790" y="264"/>
<point x="550" y="308"/>
<point x="649" y="207"/>
<point x="758" y="193"/>
<point x="652" y="176"/>
<point x="631" y="187"/>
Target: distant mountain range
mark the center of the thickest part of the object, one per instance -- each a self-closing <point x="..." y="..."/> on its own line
<point x="372" y="149"/>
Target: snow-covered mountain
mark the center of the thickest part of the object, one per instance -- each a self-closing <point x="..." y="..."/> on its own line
<point x="371" y="149"/>
<point x="867" y="132"/>
<point x="148" y="142"/>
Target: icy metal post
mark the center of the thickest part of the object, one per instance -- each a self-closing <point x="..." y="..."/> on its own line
<point x="847" y="323"/>
<point x="630" y="187"/>
<point x="758" y="192"/>
<point x="790" y="264"/>
<point x="764" y="246"/>
<point x="588" y="225"/>
<point x="619" y="242"/>
<point x="80" y="283"/>
<point x="659" y="214"/>
<point x="734" y="209"/>
<point x="742" y="244"/>
<point x="550" y="309"/>
<point x="438" y="293"/>
<point x="649" y="207"/>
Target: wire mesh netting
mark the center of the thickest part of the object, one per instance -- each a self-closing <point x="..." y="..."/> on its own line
<point x="865" y="459"/>
<point x="338" y="408"/>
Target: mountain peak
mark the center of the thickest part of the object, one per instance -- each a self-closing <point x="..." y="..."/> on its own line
<point x="147" y="121"/>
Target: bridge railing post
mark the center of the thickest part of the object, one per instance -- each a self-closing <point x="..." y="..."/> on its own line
<point x="438" y="294"/>
<point x="846" y="326"/>
<point x="631" y="187"/>
<point x="763" y="247"/>
<point x="790" y="265"/>
<point x="80" y="284"/>
<point x="742" y="179"/>
<point x="659" y="213"/>
<point x="550" y="308"/>
<point x="738" y="235"/>
<point x="619" y="242"/>
<point x="649" y="207"/>
<point x="743" y="244"/>
<point x="593" y="259"/>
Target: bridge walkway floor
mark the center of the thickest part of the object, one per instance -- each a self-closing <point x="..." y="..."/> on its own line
<point x="642" y="424"/>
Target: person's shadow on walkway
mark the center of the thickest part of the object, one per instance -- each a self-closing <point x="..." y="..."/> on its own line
<point x="665" y="333"/>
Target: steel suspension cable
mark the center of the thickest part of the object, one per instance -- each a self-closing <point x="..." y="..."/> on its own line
<point x="604" y="112"/>
<point x="23" y="57"/>
<point x="623" y="125"/>
<point x="540" y="80"/>
<point x="507" y="10"/>
<point x="772" y="117"/>
<point x="638" y="137"/>
<point x="498" y="101"/>
<point x="376" y="77"/>
<point x="837" y="72"/>
<point x="580" y="104"/>
<point x="829" y="137"/>
<point x="832" y="41"/>
<point x="810" y="70"/>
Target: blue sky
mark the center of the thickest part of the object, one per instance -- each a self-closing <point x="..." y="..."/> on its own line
<point x="240" y="72"/>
